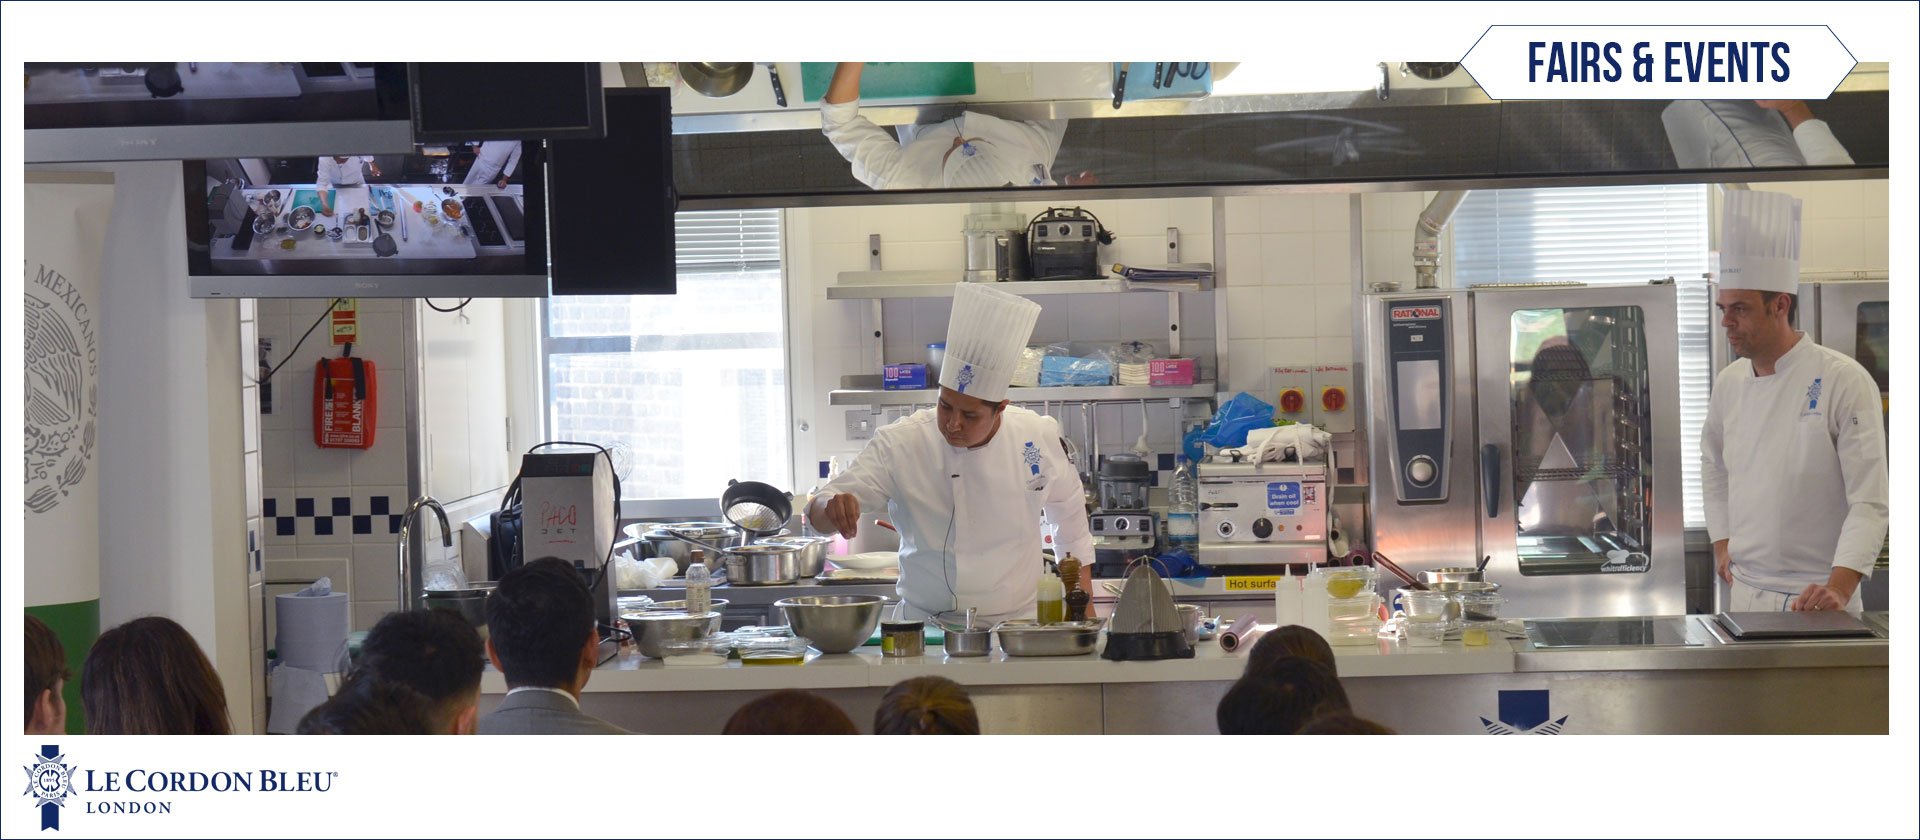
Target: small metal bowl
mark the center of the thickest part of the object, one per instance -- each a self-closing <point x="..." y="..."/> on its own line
<point x="1452" y="574"/>
<point x="301" y="218"/>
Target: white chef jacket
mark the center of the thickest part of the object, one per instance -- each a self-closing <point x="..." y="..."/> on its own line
<point x="1794" y="468"/>
<point x="969" y="519"/>
<point x="915" y="161"/>
<point x="349" y="174"/>
<point x="494" y="158"/>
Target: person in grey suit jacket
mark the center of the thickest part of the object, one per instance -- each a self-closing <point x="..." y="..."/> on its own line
<point x="541" y="635"/>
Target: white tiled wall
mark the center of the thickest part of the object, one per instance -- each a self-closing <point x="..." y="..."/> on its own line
<point x="1288" y="281"/>
<point x="372" y="482"/>
<point x="1843" y="224"/>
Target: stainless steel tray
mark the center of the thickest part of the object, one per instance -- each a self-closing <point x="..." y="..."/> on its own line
<point x="1026" y="637"/>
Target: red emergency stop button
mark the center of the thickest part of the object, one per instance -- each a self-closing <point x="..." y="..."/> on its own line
<point x="1292" y="401"/>
<point x="1333" y="399"/>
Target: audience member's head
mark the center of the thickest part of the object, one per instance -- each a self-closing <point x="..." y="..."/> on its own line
<point x="540" y="626"/>
<point x="1343" y="723"/>
<point x="47" y="675"/>
<point x="368" y="705"/>
<point x="1279" y="697"/>
<point x="148" y="677"/>
<point x="790" y="712"/>
<point x="926" y="706"/>
<point x="434" y="652"/>
<point x="1292" y="640"/>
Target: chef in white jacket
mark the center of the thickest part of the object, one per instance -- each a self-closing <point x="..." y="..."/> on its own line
<point x="494" y="162"/>
<point x="1793" y="452"/>
<point x="341" y="172"/>
<point x="1735" y="133"/>
<point x="965" y="483"/>
<point x="971" y="151"/>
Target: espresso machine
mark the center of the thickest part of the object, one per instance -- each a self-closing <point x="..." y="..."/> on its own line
<point x="1123" y="528"/>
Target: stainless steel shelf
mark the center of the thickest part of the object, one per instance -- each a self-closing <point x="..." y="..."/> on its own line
<point x="1105" y="393"/>
<point x="886" y="285"/>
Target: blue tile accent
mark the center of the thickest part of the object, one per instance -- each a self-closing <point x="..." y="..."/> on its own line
<point x="823" y="468"/>
<point x="363" y="525"/>
<point x="393" y="524"/>
<point x="342" y="506"/>
<point x="1165" y="460"/>
<point x="303" y="507"/>
<point x="380" y="505"/>
<point x="323" y="526"/>
<point x="269" y="507"/>
<point x="283" y="526"/>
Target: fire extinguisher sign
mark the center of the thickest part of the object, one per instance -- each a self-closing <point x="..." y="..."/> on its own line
<point x="345" y="321"/>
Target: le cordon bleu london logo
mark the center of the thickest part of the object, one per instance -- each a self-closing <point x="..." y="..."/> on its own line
<point x="55" y="785"/>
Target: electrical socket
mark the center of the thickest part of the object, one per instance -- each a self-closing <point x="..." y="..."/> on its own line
<point x="860" y="424"/>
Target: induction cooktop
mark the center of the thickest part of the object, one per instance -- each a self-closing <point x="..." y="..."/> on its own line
<point x="1610" y="633"/>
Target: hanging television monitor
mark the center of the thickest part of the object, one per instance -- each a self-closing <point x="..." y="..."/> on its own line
<point x="462" y="220"/>
<point x="196" y="110"/>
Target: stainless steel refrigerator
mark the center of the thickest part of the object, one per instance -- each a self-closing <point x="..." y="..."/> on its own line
<point x="1536" y="424"/>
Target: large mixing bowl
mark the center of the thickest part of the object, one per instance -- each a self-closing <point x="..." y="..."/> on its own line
<point x="651" y="630"/>
<point x="833" y="623"/>
<point x="469" y="603"/>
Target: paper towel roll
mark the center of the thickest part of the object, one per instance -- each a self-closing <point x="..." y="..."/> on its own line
<point x="310" y="631"/>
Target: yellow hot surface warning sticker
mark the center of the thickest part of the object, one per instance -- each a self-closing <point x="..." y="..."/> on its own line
<point x="1252" y="583"/>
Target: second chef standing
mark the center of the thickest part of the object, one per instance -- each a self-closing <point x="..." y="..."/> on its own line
<point x="965" y="483"/>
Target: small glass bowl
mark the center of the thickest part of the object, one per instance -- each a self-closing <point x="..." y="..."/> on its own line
<point x="1425" y="630"/>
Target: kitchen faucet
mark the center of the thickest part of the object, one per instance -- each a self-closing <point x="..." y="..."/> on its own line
<point x="409" y="577"/>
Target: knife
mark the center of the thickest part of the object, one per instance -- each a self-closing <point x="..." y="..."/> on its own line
<point x="1120" y="87"/>
<point x="779" y="93"/>
<point x="400" y="211"/>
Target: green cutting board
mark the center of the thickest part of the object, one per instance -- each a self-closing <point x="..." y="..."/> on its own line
<point x="894" y="80"/>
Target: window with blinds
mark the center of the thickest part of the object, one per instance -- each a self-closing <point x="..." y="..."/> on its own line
<point x="1605" y="235"/>
<point x="726" y="240"/>
<point x="690" y="388"/>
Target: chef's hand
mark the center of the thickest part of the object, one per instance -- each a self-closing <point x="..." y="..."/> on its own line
<point x="1722" y="561"/>
<point x="1818" y="597"/>
<point x="843" y="511"/>
<point x="502" y="183"/>
<point x="1832" y="595"/>
<point x="373" y="168"/>
<point x="1794" y="110"/>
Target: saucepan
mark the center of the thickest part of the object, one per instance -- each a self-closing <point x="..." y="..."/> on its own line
<point x="753" y="565"/>
<point x="661" y="541"/>
<point x="970" y="640"/>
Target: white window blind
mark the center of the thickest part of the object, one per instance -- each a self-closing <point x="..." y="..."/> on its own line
<point x="1605" y="235"/>
<point x="726" y="240"/>
<point x="692" y="385"/>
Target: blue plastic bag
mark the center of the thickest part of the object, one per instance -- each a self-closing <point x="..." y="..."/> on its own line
<point x="1236" y="417"/>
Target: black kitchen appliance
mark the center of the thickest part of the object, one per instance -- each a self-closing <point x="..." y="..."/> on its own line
<point x="1063" y="243"/>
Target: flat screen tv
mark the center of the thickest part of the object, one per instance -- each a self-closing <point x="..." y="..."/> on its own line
<point x="611" y="201"/>
<point x="461" y="220"/>
<point x="189" y="110"/>
<point x="506" y="100"/>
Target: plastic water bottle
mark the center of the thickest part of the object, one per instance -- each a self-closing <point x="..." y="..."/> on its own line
<point x="1183" y="509"/>
<point x="699" y="587"/>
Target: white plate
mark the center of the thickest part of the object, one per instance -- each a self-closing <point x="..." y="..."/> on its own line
<point x="866" y="560"/>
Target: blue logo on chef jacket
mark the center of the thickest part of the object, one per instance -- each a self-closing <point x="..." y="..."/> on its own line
<point x="1813" y="399"/>
<point x="964" y="379"/>
<point x="1524" y="713"/>
<point x="49" y="783"/>
<point x="1032" y="456"/>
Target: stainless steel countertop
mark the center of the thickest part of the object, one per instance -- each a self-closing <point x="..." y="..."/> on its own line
<point x="1716" y="650"/>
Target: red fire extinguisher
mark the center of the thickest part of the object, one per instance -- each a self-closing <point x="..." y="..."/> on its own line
<point x="344" y="403"/>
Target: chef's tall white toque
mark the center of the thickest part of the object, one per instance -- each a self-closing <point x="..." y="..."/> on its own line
<point x="985" y="335"/>
<point x="1760" y="242"/>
